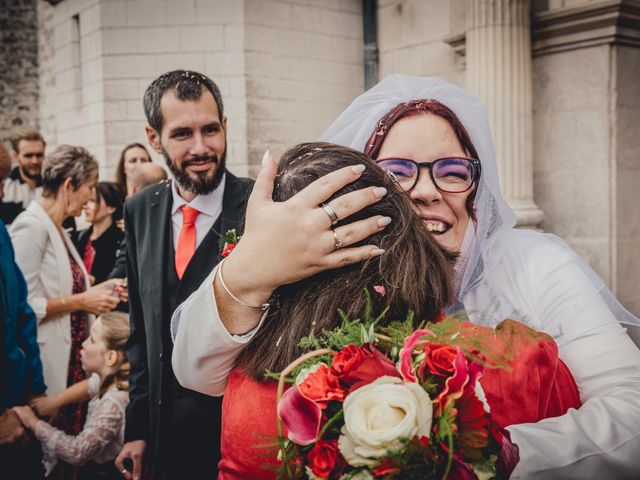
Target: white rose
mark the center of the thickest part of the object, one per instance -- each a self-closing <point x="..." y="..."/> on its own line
<point x="378" y="416"/>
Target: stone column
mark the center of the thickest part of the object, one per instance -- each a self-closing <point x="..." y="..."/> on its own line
<point x="498" y="56"/>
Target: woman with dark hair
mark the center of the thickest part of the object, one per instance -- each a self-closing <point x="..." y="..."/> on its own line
<point x="427" y="132"/>
<point x="98" y="243"/>
<point x="415" y="271"/>
<point x="131" y="156"/>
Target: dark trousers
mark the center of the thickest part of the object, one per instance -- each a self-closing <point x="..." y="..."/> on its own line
<point x="191" y="449"/>
<point x="19" y="462"/>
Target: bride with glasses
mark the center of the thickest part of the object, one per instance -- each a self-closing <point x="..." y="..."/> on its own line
<point x="434" y="138"/>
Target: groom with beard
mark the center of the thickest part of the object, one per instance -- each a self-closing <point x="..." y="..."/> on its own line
<point x="173" y="231"/>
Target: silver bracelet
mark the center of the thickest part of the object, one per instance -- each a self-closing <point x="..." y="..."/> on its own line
<point x="262" y="307"/>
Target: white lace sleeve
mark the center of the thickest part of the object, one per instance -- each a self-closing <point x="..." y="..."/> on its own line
<point x="99" y="430"/>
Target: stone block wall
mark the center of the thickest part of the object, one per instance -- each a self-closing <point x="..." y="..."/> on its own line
<point x="286" y="68"/>
<point x="304" y="63"/>
<point x="18" y="66"/>
<point x="573" y="167"/>
<point x="626" y="183"/>
<point x="412" y="38"/>
<point x="124" y="45"/>
<point x="71" y="99"/>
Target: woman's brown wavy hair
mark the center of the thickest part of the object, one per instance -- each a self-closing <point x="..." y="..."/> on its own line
<point x="415" y="271"/>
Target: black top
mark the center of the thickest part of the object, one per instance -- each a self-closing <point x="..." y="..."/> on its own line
<point x="11" y="208"/>
<point x="105" y="246"/>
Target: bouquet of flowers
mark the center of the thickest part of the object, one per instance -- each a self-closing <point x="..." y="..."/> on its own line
<point x="391" y="402"/>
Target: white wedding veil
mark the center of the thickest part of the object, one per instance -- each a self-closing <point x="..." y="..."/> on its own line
<point x="494" y="216"/>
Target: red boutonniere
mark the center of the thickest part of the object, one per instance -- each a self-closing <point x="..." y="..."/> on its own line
<point x="229" y="242"/>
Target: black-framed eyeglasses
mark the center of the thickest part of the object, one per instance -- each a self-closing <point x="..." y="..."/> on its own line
<point x="450" y="174"/>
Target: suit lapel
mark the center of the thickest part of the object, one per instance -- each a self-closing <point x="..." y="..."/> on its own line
<point x="233" y="208"/>
<point x="160" y="224"/>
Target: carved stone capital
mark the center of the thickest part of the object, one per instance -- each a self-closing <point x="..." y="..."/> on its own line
<point x="613" y="21"/>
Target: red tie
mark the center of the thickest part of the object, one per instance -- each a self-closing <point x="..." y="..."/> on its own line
<point x="187" y="239"/>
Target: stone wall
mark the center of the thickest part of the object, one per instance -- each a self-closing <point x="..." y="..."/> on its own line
<point x="18" y="66"/>
<point x="572" y="151"/>
<point x="286" y="68"/>
<point x="72" y="108"/>
<point x="304" y="66"/>
<point x="586" y="144"/>
<point x="412" y="38"/>
<point x="627" y="180"/>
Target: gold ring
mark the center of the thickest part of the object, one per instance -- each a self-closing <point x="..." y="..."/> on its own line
<point x="338" y="242"/>
<point x="331" y="213"/>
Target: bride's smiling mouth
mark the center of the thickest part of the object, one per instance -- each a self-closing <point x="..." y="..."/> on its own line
<point x="436" y="226"/>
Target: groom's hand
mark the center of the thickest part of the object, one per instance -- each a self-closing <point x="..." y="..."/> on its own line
<point x="134" y="451"/>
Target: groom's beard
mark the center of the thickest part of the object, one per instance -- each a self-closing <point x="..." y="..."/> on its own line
<point x="205" y="182"/>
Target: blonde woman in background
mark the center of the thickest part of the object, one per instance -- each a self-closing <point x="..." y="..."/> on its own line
<point x="59" y="289"/>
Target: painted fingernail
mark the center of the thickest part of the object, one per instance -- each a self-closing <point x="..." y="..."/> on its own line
<point x="379" y="192"/>
<point x="358" y="168"/>
<point x="377" y="252"/>
<point x="384" y="221"/>
<point x="265" y="157"/>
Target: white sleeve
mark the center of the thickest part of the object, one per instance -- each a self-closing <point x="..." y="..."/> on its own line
<point x="602" y="438"/>
<point x="99" y="430"/>
<point x="204" y="352"/>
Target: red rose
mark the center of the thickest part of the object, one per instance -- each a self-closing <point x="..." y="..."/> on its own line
<point x="386" y="467"/>
<point x="228" y="248"/>
<point x="472" y="420"/>
<point x="439" y="360"/>
<point x="324" y="457"/>
<point x="322" y="387"/>
<point x="357" y="366"/>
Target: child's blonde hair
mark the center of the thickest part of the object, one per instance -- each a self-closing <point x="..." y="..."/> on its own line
<point x="115" y="328"/>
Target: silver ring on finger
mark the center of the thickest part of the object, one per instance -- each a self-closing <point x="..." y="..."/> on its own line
<point x="331" y="213"/>
<point x="337" y="241"/>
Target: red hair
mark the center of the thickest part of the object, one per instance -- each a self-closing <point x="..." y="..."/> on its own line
<point x="416" y="107"/>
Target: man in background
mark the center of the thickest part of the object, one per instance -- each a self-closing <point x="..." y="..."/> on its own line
<point x="24" y="182"/>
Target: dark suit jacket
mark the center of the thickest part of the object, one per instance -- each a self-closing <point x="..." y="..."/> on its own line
<point x="157" y="402"/>
<point x="106" y="246"/>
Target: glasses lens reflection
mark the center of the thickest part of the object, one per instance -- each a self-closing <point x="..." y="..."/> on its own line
<point x="452" y="175"/>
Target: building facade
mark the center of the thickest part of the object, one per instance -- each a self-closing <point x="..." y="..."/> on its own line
<point x="560" y="80"/>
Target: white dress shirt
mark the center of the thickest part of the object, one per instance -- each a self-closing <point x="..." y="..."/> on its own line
<point x="209" y="206"/>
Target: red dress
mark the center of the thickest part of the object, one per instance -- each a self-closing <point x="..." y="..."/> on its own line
<point x="71" y="417"/>
<point x="537" y="385"/>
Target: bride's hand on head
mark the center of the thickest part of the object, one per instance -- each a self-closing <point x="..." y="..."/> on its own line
<point x="284" y="242"/>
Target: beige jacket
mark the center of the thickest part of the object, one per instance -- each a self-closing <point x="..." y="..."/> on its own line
<point x="42" y="256"/>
